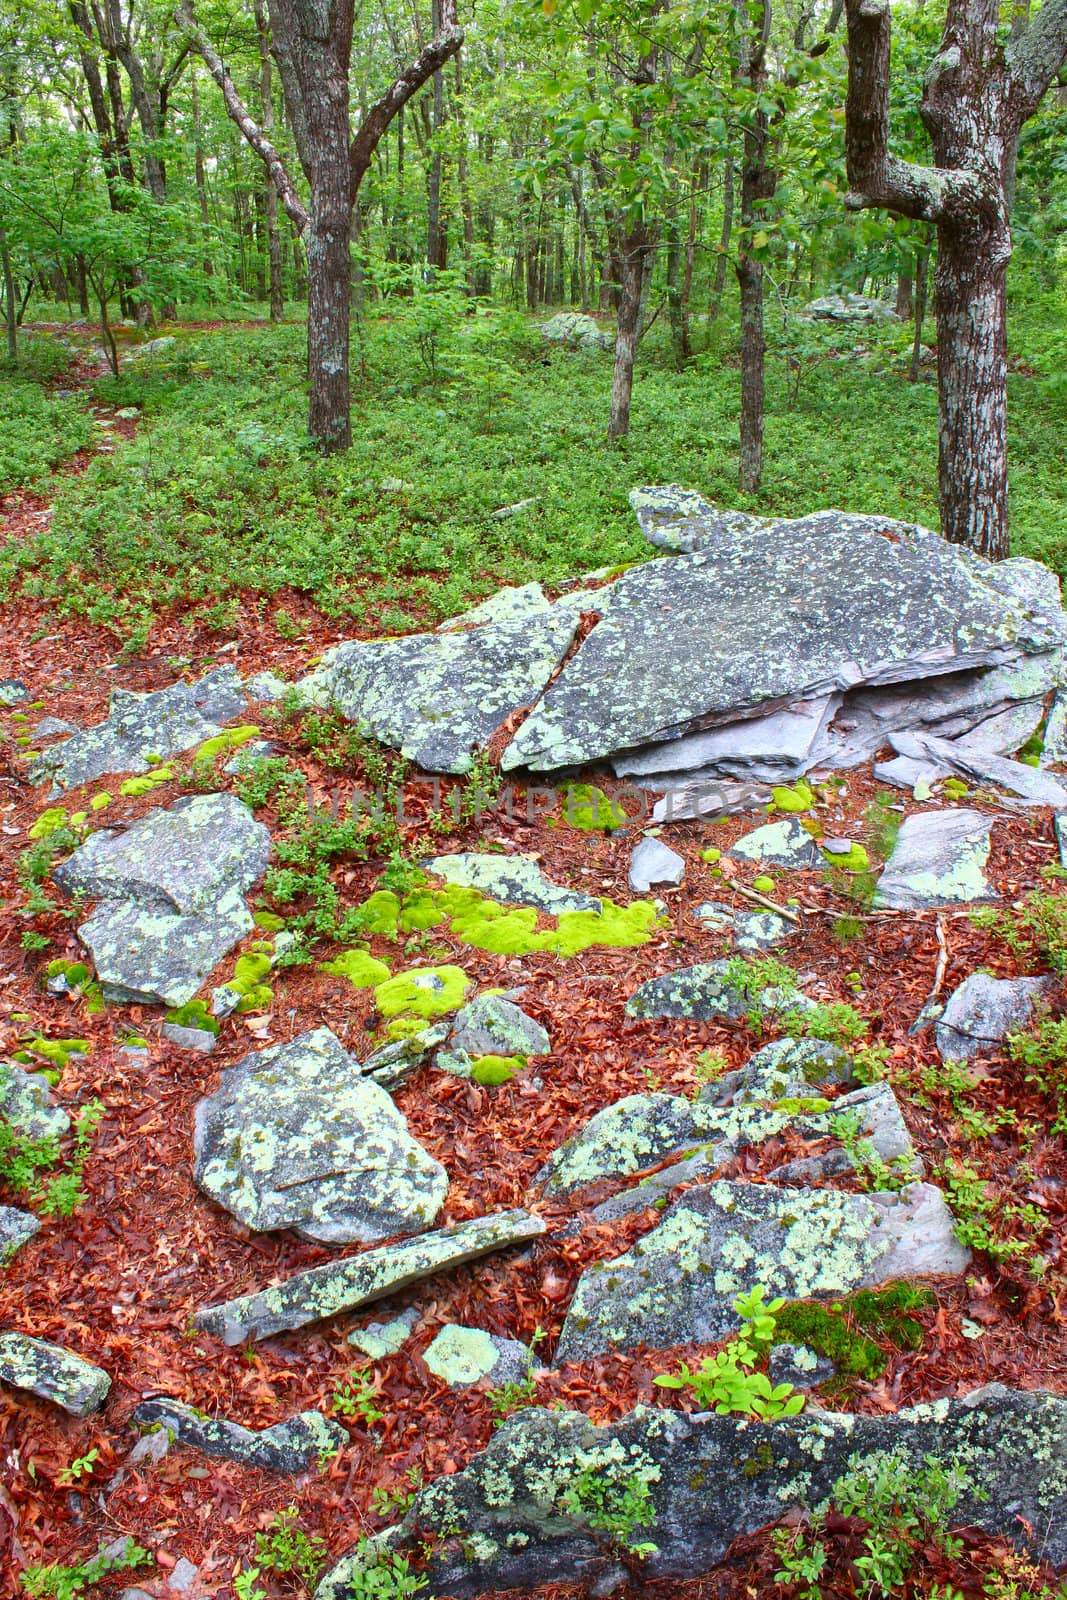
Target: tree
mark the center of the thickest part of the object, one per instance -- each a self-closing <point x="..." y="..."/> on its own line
<point x="983" y="85"/>
<point x="313" y="47"/>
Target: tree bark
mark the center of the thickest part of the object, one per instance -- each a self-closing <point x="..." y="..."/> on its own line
<point x="10" y="305"/>
<point x="758" y="184"/>
<point x="631" y="282"/>
<point x="266" y="96"/>
<point x="922" y="274"/>
<point x="722" y="261"/>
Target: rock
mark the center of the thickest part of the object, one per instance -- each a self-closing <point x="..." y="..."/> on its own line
<point x="1060" y="826"/>
<point x="577" y="330"/>
<point x="678" y="1283"/>
<point x="785" y="843"/>
<point x="491" y="1026"/>
<point x="324" y="1291"/>
<point x="52" y="728"/>
<point x="437" y="697"/>
<point x="381" y="1339"/>
<point x="680" y="521"/>
<point x="394" y="1062"/>
<point x="52" y="1373"/>
<point x="165" y="723"/>
<point x="652" y="863"/>
<point x="220" y="695"/>
<point x="266" y="686"/>
<point x="183" y="1575"/>
<point x="1054" y="749"/>
<point x="152" y="348"/>
<point x="710" y="989"/>
<point x="982" y="1011"/>
<point x="511" y="880"/>
<point x="796" y="1364"/>
<point x="292" y="1446"/>
<point x="507" y="605"/>
<point x="760" y="930"/>
<point x="708" y="639"/>
<point x="16" y="1229"/>
<point x="714" y="917"/>
<point x="169" y="892"/>
<point x="12" y="690"/>
<point x="711" y="1479"/>
<point x="296" y="1137"/>
<point x="787" y="1068"/>
<point x="849" y="308"/>
<point x="201" y="1040"/>
<point x="937" y="860"/>
<point x="461" y="1356"/>
<point x="26" y="1103"/>
<point x="776" y="746"/>
<point x="705" y="799"/>
<point x="1033" y="786"/>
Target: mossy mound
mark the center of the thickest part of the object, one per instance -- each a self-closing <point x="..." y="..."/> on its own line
<point x="492" y="1071"/>
<point x="845" y="1330"/>
<point x="194" y="1014"/>
<point x="423" y="992"/>
<point x="362" y="970"/>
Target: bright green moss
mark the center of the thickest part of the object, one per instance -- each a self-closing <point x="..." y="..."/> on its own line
<point x="75" y="972"/>
<point x="763" y="884"/>
<point x="844" y="1330"/>
<point x="589" y="808"/>
<point x="620" y="927"/>
<point x="57" y="1051"/>
<point x="49" y="821"/>
<point x="856" y="859"/>
<point x="194" y="1014"/>
<point x="801" y="1106"/>
<point x="228" y="740"/>
<point x="419" y="910"/>
<point x="491" y="1071"/>
<point x="151" y="780"/>
<point x="268" y="921"/>
<point x="380" y="913"/>
<point x="423" y="992"/>
<point x="800" y="797"/>
<point x="362" y="970"/>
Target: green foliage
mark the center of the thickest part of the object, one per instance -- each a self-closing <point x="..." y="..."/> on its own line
<point x="749" y="976"/>
<point x="845" y="1331"/>
<point x="616" y="1501"/>
<point x="356" y="1398"/>
<point x="65" y="1583"/>
<point x="387" y="1577"/>
<point x="37" y="432"/>
<point x="728" y="1381"/>
<point x="23" y="1160"/>
<point x="989" y="1218"/>
<point x="494" y="1071"/>
<point x="1043" y="1051"/>
<point x="872" y="1171"/>
<point x="284" y="1548"/>
<point x="1035" y="930"/>
<point x="512" y="1396"/>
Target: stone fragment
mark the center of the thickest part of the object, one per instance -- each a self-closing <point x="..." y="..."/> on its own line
<point x="267" y="686"/>
<point x="677" y="1285"/>
<point x="784" y="843"/>
<point x="182" y="1576"/>
<point x="798" y="1365"/>
<point x="849" y="308"/>
<point x="680" y="521"/>
<point x="148" y="957"/>
<point x="462" y="1356"/>
<point x="291" y="1446"/>
<point x="775" y="746"/>
<point x="491" y="1026"/>
<point x="653" y="862"/>
<point x="16" y="1229"/>
<point x="760" y="930"/>
<point x="26" y="1103"/>
<point x="297" y="1137"/>
<point x="709" y="989"/>
<point x="200" y="1040"/>
<point x="324" y="1291"/>
<point x="52" y="728"/>
<point x="705" y="798"/>
<point x="52" y="1373"/>
<point x="1054" y="748"/>
<point x="575" y="329"/>
<point x="982" y="1011"/>
<point x="787" y="1068"/>
<point x="513" y="1509"/>
<point x="394" y="1062"/>
<point x="511" y="880"/>
<point x="1033" y="786"/>
<point x="381" y="1339"/>
<point x="937" y="860"/>
<point x="12" y="690"/>
<point x="507" y="605"/>
<point x="438" y="697"/>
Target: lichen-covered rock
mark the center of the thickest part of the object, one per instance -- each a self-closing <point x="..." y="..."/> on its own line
<point x="783" y="843"/>
<point x="1030" y="785"/>
<point x="576" y="329"/>
<point x="760" y="930"/>
<point x="491" y="1026"/>
<point x="506" y="605"/>
<point x="437" y="697"/>
<point x="292" y="1446"/>
<point x="653" y="862"/>
<point x="12" y="690"/>
<point x="510" y="880"/>
<point x="200" y="1040"/>
<point x="680" y="521"/>
<point x="392" y="1063"/>
<point x="296" y="1137"/>
<point x="849" y="308"/>
<point x="16" y="1229"/>
<point x="322" y="1292"/>
<point x="678" y="1283"/>
<point x="161" y="724"/>
<point x="380" y="1339"/>
<point x="710" y="1479"/>
<point x="461" y="1356"/>
<point x="26" y="1103"/>
<point x="938" y="860"/>
<point x="709" y="989"/>
<point x="797" y="1365"/>
<point x="982" y="1011"/>
<point x="150" y="957"/>
<point x="705" y="638"/>
<point x="52" y="1373"/>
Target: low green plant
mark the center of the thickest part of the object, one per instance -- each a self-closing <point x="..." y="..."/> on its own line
<point x="388" y="1577"/>
<point x="80" y="1467"/>
<point x="512" y="1396"/>
<point x="1042" y="1049"/>
<point x="356" y="1398"/>
<point x="285" y="1549"/>
<point x="65" y="1583"/>
<point x="988" y="1220"/>
<point x="397" y="1501"/>
<point x="24" y="1160"/>
<point x="872" y="1171"/>
<point x="1035" y="930"/>
<point x="729" y="1380"/>
<point x="615" y="1501"/>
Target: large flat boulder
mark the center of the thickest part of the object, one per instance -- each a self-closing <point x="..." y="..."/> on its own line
<point x="983" y="1011"/>
<point x="938" y="859"/>
<point x="709" y="1479"/>
<point x="296" y="1137"/>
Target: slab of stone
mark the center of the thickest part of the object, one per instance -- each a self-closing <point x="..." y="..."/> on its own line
<point x="297" y="1137"/>
<point x="786" y="1069"/>
<point x="1054" y="748"/>
<point x="783" y="843"/>
<point x="705" y="798"/>
<point x="462" y="1356"/>
<point x="982" y="1011"/>
<point x="220" y="695"/>
<point x="678" y="1283"/>
<point x="182" y="1577"/>
<point x="438" y="697"/>
<point x="576" y="329"/>
<point x="712" y="1479"/>
<point x="52" y="728"/>
<point x="292" y="1446"/>
<point x="704" y="991"/>
<point x="322" y="1292"/>
<point x="151" y="958"/>
<point x="200" y="1040"/>
<point x="12" y="690"/>
<point x="52" y="1373"/>
<point x="707" y="638"/>
<point x="381" y="1339"/>
<point x="797" y="1364"/>
<point x="511" y="880"/>
<point x="653" y="862"/>
<point x="491" y="1026"/>
<point x="1031" y="785"/>
<point x="507" y="605"/>
<point x="26" y="1103"/>
<point x="1060" y="827"/>
<point x="396" y="1061"/>
<point x="938" y="860"/>
<point x="776" y="746"/>
<point x="16" y="1229"/>
<point x="680" y="521"/>
<point x="760" y="930"/>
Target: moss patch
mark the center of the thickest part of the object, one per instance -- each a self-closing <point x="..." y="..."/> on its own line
<point x="589" y="808"/>
<point x="845" y="1330"/>
<point x="491" y="1071"/>
<point x="362" y="970"/>
<point x="194" y="1014"/>
<point x="423" y="992"/>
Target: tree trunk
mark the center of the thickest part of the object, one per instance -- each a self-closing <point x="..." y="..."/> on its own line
<point x="753" y="347"/>
<point x="674" y="291"/>
<point x="631" y="283"/>
<point x="266" y="96"/>
<point x="722" y="261"/>
<point x="905" y="290"/>
<point x="327" y="239"/>
<point x="922" y="274"/>
<point x="10" y="306"/>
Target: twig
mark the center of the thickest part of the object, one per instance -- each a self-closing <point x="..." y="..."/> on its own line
<point x="772" y="905"/>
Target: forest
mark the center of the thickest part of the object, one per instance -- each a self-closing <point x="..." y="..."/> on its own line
<point x="533" y="799"/>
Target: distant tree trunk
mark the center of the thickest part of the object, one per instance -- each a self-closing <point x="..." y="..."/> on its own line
<point x="905" y="290"/>
<point x="434" y="254"/>
<point x="266" y="97"/>
<point x="198" y="171"/>
<point x="10" y="303"/>
<point x="722" y="260"/>
<point x="922" y="274"/>
<point x="758" y="183"/>
<point x="635" y="250"/>
<point x="674" y="290"/>
<point x="463" y="175"/>
<point x="690" y="253"/>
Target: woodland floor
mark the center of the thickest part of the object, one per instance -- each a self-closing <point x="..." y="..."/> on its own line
<point x="119" y="1280"/>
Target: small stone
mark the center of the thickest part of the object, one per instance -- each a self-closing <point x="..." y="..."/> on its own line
<point x="12" y="690"/>
<point x="202" y="1040"/>
<point x="16" y="1229"/>
<point x="714" y="917"/>
<point x="796" y="1364"/>
<point x="937" y="860"/>
<point x="461" y="1356"/>
<point x="52" y="727"/>
<point x="983" y="1011"/>
<point x="576" y="330"/>
<point x="760" y="930"/>
<point x="652" y="863"/>
<point x="182" y="1577"/>
<point x="511" y="880"/>
<point x="785" y="843"/>
<point x="52" y="1373"/>
<point x="1060" y="825"/>
<point x="26" y="1103"/>
<point x="709" y="989"/>
<point x="491" y="1026"/>
<point x="291" y="1446"/>
<point x="381" y="1339"/>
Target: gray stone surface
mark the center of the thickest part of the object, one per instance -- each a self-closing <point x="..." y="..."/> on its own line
<point x="462" y="1356"/>
<point x="52" y="728"/>
<point x="394" y="1062"/>
<point x="775" y="746"/>
<point x="381" y="1339"/>
<point x="712" y="1479"/>
<point x="782" y="843"/>
<point x="707" y="990"/>
<point x="296" y="1137"/>
<point x="798" y="1365"/>
<point x="148" y="957"/>
<point x="1060" y="826"/>
<point x="680" y="521"/>
<point x="938" y="860"/>
<point x="26" y="1103"/>
<point x="16" y="1229"/>
<point x="438" y="697"/>
<point x="52" y="1373"/>
<point x="678" y="1283"/>
<point x="293" y="1446"/>
<point x="512" y="880"/>
<point x="1031" y="785"/>
<point x="507" y="605"/>
<point x="760" y="930"/>
<point x="200" y="1040"/>
<point x="653" y="862"/>
<point x="322" y="1292"/>
<point x="1054" y="751"/>
<point x="577" y="330"/>
<point x="982" y="1011"/>
<point x="849" y="308"/>
<point x="707" y="638"/>
<point x="12" y="690"/>
<point x="491" y="1026"/>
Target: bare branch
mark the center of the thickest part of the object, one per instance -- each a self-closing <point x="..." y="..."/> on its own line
<point x="239" y="114"/>
<point x="1034" y="57"/>
<point x="445" y="44"/>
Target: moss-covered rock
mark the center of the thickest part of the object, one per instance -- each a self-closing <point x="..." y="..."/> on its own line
<point x="52" y="1373"/>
